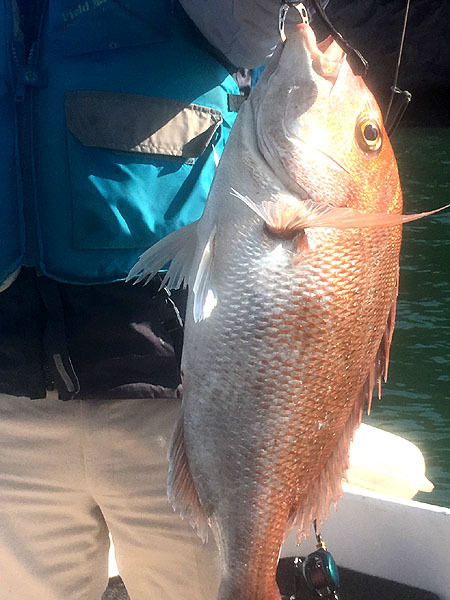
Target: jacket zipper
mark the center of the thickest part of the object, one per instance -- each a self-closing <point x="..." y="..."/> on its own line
<point x="27" y="78"/>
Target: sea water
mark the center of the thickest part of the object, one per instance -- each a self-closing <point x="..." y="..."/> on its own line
<point x="415" y="401"/>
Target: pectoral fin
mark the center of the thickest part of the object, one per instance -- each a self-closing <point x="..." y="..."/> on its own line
<point x="287" y="216"/>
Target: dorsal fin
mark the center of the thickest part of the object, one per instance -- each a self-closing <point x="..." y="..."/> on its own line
<point x="379" y="369"/>
<point x="327" y="487"/>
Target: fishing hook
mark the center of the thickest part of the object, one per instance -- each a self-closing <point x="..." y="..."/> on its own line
<point x="356" y="60"/>
<point x="299" y="6"/>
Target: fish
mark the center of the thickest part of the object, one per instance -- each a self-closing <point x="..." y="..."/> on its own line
<point x="292" y="274"/>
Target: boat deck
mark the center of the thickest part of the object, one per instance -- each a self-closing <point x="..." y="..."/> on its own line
<point x="354" y="586"/>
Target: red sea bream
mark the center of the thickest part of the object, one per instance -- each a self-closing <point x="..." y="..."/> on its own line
<point x="292" y="275"/>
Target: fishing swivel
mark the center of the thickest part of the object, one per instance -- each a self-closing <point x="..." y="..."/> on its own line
<point x="319" y="571"/>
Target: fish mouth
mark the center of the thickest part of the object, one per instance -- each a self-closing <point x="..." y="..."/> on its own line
<point x="302" y="55"/>
<point x="327" y="56"/>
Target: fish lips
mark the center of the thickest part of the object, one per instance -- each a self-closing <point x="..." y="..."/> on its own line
<point x="326" y="57"/>
<point x="296" y="71"/>
<point x="310" y="98"/>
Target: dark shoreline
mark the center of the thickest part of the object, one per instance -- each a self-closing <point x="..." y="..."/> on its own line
<point x="428" y="108"/>
<point x="374" y="27"/>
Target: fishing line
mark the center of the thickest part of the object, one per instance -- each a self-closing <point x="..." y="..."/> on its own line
<point x="355" y="59"/>
<point x="405" y="96"/>
<point x="399" y="59"/>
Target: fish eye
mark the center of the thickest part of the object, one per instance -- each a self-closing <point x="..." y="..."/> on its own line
<point x="368" y="133"/>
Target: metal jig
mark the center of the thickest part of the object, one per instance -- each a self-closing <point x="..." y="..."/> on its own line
<point x="317" y="574"/>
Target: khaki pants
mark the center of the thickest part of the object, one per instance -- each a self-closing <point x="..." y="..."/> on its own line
<point x="72" y="471"/>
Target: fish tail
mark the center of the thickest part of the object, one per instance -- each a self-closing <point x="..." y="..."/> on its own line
<point x="252" y="578"/>
<point x="230" y="589"/>
<point x="250" y="545"/>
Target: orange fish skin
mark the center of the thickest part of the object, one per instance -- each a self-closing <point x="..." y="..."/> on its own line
<point x="321" y="334"/>
<point x="287" y="329"/>
<point x="315" y="355"/>
<point x="303" y="428"/>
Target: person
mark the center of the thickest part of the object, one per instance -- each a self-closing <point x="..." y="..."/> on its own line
<point x="112" y="114"/>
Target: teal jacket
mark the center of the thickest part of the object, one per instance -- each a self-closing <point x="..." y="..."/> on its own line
<point x="103" y="153"/>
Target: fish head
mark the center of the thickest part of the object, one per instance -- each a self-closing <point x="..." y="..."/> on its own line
<point x="320" y="128"/>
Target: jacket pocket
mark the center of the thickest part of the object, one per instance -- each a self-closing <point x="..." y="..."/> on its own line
<point x="140" y="166"/>
<point x="109" y="25"/>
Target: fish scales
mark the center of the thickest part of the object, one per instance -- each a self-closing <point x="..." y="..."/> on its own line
<point x="271" y="382"/>
<point x="292" y="273"/>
